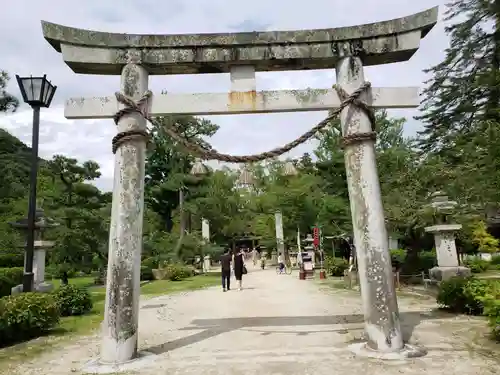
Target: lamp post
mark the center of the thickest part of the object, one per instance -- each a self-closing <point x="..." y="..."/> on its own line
<point x="37" y="92"/>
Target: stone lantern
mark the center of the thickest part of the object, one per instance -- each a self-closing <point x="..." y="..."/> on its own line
<point x="289" y="169"/>
<point x="307" y="258"/>
<point x="41" y="247"/>
<point x="444" y="239"/>
<point x="198" y="169"/>
<point x="245" y="180"/>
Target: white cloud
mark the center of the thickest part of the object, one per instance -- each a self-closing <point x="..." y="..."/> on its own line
<point x="25" y="51"/>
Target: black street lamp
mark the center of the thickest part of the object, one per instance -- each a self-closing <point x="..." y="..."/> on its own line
<point x="37" y="92"/>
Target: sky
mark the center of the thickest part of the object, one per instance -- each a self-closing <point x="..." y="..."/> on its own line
<point x="25" y="52"/>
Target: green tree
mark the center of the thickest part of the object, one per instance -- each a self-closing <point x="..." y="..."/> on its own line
<point x="168" y="163"/>
<point x="464" y="90"/>
<point x="8" y="102"/>
<point x="460" y="109"/>
<point x="72" y="175"/>
<point x="484" y="241"/>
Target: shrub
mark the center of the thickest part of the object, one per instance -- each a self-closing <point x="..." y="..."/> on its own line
<point x="426" y="260"/>
<point x="335" y="266"/>
<point x="9" y="278"/>
<point x="72" y="300"/>
<point x="50" y="272"/>
<point x="27" y="315"/>
<point x="177" y="272"/>
<point x="398" y="257"/>
<point x="474" y="292"/>
<point x="476" y="264"/>
<point x="451" y="294"/>
<point x="147" y="273"/>
<point x="60" y="269"/>
<point x="11" y="260"/>
<point x="491" y="302"/>
<point x="463" y="294"/>
<point x="495" y="260"/>
<point x="473" y="296"/>
<point x="484" y="241"/>
<point x="150" y="263"/>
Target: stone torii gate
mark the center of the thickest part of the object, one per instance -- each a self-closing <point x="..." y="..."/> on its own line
<point x="347" y="49"/>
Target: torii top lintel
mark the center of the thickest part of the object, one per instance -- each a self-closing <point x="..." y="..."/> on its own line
<point x="96" y="52"/>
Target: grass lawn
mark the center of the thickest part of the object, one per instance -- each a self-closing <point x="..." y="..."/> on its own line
<point x="490" y="274"/>
<point x="72" y="326"/>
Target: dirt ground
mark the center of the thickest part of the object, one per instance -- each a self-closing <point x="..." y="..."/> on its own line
<point x="281" y="325"/>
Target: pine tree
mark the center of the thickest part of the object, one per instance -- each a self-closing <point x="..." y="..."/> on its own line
<point x="8" y="103"/>
<point x="463" y="94"/>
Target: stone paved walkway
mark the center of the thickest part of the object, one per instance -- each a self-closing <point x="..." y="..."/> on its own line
<point x="281" y="325"/>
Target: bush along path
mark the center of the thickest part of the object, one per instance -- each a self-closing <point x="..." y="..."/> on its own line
<point x="74" y="309"/>
<point x="475" y="297"/>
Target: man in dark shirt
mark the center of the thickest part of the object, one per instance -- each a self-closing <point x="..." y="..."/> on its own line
<point x="225" y="264"/>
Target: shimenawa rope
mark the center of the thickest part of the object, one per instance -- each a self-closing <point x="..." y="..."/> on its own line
<point x="141" y="107"/>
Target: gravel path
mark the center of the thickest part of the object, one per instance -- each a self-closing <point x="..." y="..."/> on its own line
<point x="281" y="325"/>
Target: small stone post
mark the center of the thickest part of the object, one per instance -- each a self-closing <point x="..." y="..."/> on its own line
<point x="205" y="230"/>
<point x="380" y="305"/>
<point x="444" y="239"/>
<point x="119" y="331"/>
<point x="393" y="242"/>
<point x="207" y="263"/>
<point x="205" y="235"/>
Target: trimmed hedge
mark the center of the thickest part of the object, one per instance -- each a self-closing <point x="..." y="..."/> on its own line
<point x="423" y="261"/>
<point x="177" y="272"/>
<point x="473" y="296"/>
<point x="11" y="260"/>
<point x="147" y="273"/>
<point x="398" y="257"/>
<point x="495" y="260"/>
<point x="476" y="264"/>
<point x="27" y="315"/>
<point x="335" y="266"/>
<point x="9" y="278"/>
<point x="72" y="300"/>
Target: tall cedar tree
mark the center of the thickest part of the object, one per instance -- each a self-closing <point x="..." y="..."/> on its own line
<point x="462" y="96"/>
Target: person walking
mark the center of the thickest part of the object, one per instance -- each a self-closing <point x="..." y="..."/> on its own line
<point x="239" y="267"/>
<point x="254" y="256"/>
<point x="281" y="263"/>
<point x="225" y="265"/>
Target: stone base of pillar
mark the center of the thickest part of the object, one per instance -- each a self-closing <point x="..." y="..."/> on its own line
<point x="40" y="288"/>
<point x="361" y="349"/>
<point x="445" y="273"/>
<point x="44" y="287"/>
<point x="143" y="360"/>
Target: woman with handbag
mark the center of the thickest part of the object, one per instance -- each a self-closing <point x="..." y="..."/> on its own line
<point x="239" y="267"/>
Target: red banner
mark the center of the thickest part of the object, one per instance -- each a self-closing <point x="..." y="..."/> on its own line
<point x="316" y="236"/>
